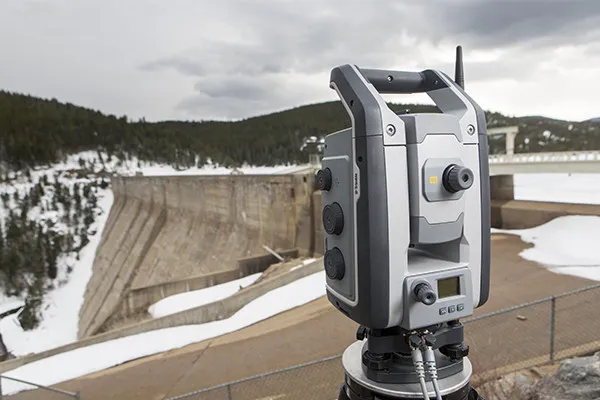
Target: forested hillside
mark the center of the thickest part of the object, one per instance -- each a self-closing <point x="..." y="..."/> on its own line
<point x="35" y="131"/>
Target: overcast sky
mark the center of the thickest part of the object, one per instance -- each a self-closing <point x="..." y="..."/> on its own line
<point x="229" y="59"/>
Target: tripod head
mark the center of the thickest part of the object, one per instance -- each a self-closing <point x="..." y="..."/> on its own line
<point x="405" y="209"/>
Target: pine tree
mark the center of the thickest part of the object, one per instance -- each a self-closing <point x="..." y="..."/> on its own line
<point x="30" y="317"/>
<point x="2" y="245"/>
<point x="2" y="256"/>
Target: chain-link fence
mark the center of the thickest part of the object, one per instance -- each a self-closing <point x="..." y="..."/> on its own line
<point x="317" y="380"/>
<point x="528" y="335"/>
<point x="534" y="334"/>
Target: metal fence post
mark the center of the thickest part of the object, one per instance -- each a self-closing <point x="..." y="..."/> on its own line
<point x="552" y="327"/>
<point x="228" y="392"/>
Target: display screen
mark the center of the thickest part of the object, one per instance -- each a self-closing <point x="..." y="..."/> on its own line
<point x="448" y="287"/>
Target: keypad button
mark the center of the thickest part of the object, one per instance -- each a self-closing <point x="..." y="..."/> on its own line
<point x="460" y="307"/>
<point x="451" y="309"/>
<point x="442" y="310"/>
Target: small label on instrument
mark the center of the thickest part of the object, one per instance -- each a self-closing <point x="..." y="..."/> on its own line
<point x="433" y="180"/>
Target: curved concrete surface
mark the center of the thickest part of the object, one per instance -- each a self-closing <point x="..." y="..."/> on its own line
<point x="166" y="228"/>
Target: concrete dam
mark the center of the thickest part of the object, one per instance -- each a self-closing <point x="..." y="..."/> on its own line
<point x="164" y="230"/>
<point x="168" y="235"/>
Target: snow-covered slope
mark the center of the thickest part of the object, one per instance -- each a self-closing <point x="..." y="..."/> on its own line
<point x="55" y="212"/>
<point x="60" y="306"/>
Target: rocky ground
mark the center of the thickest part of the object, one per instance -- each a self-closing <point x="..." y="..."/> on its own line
<point x="572" y="379"/>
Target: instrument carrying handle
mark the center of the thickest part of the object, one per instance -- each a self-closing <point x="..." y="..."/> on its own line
<point x="396" y="82"/>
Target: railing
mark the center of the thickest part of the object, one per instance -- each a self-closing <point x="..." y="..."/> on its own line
<point x="528" y="335"/>
<point x="64" y="392"/>
<point x="592" y="156"/>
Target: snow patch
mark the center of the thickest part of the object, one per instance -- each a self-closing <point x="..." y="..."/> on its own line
<point x="185" y="301"/>
<point x="555" y="187"/>
<point x="566" y="245"/>
<point x="304" y="263"/>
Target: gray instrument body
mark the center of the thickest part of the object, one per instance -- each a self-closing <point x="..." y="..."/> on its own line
<point x="394" y="220"/>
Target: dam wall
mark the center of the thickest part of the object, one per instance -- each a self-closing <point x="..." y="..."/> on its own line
<point x="163" y="229"/>
<point x="138" y="300"/>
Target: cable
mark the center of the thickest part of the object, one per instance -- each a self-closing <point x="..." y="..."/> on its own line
<point x="417" y="357"/>
<point x="432" y="370"/>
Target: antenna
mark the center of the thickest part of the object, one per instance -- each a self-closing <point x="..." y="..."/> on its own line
<point x="459" y="72"/>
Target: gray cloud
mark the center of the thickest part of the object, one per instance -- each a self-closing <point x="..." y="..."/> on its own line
<point x="310" y="37"/>
<point x="234" y="88"/>
<point x="517" y="22"/>
<point x="237" y="58"/>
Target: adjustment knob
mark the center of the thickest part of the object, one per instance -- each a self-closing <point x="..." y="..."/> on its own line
<point x="425" y="294"/>
<point x="457" y="178"/>
<point x="324" y="179"/>
<point x="335" y="268"/>
<point x="333" y="219"/>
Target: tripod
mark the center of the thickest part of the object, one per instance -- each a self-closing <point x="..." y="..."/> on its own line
<point x="392" y="364"/>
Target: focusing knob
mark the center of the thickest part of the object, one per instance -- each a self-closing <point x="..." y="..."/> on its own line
<point x="324" y="179"/>
<point x="457" y="178"/>
<point x="425" y="294"/>
<point x="335" y="267"/>
<point x="333" y="219"/>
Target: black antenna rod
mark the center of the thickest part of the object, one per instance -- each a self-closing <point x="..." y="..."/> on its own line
<point x="459" y="72"/>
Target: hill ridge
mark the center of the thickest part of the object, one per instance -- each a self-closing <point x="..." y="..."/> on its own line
<point x="36" y="131"/>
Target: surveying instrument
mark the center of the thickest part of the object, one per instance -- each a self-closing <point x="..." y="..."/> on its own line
<point x="406" y="214"/>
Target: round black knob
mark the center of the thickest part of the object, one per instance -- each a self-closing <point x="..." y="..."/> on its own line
<point x="457" y="178"/>
<point x="333" y="219"/>
<point x="335" y="267"/>
<point x="324" y="179"/>
<point x="425" y="294"/>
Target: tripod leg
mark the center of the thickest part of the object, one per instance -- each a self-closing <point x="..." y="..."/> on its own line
<point x="473" y="395"/>
<point x="342" y="395"/>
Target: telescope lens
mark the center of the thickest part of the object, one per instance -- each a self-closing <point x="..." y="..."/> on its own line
<point x="457" y="178"/>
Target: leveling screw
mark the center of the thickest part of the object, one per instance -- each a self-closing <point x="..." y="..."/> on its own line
<point x="390" y="129"/>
